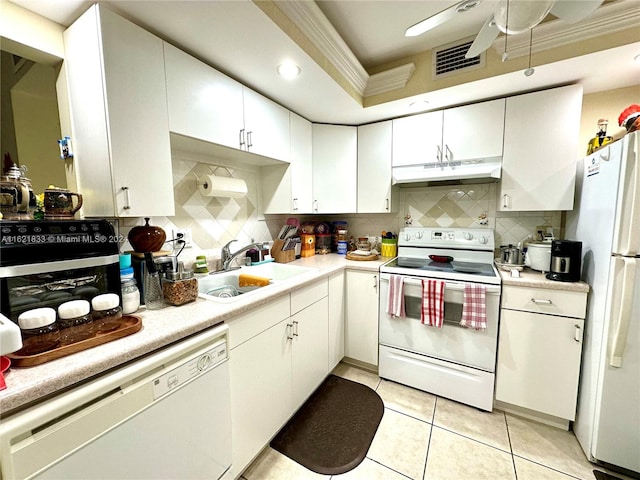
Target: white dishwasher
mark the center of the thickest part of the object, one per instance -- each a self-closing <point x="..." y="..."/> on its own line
<point x="164" y="416"/>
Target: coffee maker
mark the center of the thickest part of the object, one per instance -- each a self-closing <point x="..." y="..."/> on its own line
<point x="566" y="261"/>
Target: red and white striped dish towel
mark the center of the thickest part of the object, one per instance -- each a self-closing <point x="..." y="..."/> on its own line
<point x="432" y="303"/>
<point x="395" y="302"/>
<point x="474" y="308"/>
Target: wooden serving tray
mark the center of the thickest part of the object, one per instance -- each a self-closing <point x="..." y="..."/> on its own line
<point x="361" y="258"/>
<point x="129" y="324"/>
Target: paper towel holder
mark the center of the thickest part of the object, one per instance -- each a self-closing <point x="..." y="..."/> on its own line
<point x="216" y="186"/>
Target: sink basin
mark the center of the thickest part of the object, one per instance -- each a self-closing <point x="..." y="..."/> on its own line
<point x="224" y="286"/>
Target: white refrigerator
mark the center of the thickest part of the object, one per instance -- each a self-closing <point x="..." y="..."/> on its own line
<point x="606" y="219"/>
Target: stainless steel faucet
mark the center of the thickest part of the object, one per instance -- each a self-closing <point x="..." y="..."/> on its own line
<point x="227" y="257"/>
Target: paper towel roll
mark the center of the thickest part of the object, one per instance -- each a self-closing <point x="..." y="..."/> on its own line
<point x="213" y="186"/>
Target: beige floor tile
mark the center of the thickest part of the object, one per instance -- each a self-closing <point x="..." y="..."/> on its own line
<point x="454" y="457"/>
<point x="550" y="446"/>
<point x="272" y="465"/>
<point x="403" y="399"/>
<point x="370" y="470"/>
<point x="401" y="444"/>
<point x="357" y="375"/>
<point x="527" y="470"/>
<point x="485" y="427"/>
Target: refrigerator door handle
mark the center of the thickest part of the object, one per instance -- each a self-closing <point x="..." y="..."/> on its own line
<point x="626" y="239"/>
<point x="621" y="309"/>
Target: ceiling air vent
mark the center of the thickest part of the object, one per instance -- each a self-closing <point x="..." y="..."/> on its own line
<point x="449" y="59"/>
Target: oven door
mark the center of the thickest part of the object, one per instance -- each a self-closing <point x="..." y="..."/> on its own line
<point x="452" y="342"/>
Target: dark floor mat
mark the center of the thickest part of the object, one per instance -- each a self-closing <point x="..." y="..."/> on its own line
<point x="604" y="476"/>
<point x="332" y="431"/>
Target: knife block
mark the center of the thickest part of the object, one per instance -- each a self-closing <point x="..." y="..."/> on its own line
<point x="281" y="256"/>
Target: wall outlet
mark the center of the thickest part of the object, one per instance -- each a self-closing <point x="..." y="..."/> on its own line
<point x="186" y="237"/>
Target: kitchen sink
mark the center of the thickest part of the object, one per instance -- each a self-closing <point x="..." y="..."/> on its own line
<point x="224" y="286"/>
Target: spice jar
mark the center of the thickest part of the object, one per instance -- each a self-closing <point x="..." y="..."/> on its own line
<point x="180" y="287"/>
<point x="75" y="321"/>
<point x="39" y="330"/>
<point x="106" y="312"/>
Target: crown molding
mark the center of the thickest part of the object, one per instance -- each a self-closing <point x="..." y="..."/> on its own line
<point x="388" y="80"/>
<point x="610" y="18"/>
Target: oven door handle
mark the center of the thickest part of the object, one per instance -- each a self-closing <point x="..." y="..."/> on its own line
<point x="451" y="286"/>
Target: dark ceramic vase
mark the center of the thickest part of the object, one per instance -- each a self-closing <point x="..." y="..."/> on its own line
<point x="146" y="238"/>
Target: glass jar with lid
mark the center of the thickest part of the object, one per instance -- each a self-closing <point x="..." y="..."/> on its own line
<point x="75" y="321"/>
<point x="39" y="330"/>
<point x="106" y="312"/>
<point x="130" y="296"/>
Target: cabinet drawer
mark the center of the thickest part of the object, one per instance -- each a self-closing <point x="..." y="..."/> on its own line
<point x="308" y="295"/>
<point x="251" y="324"/>
<point x="543" y="300"/>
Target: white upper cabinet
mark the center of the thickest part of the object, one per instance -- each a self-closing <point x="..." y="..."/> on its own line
<point x="207" y="105"/>
<point x="541" y="147"/>
<point x="375" y="193"/>
<point x="287" y="188"/>
<point x="118" y="105"/>
<point x="417" y="139"/>
<point x="462" y="133"/>
<point x="473" y="131"/>
<point x="335" y="159"/>
<point x="203" y="103"/>
<point x="266" y="127"/>
<point x="301" y="164"/>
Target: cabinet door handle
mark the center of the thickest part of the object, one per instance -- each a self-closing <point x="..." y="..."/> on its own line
<point x="439" y="154"/>
<point x="289" y="331"/>
<point x="249" y="142"/>
<point x="295" y="204"/>
<point x="505" y="197"/>
<point x="375" y="281"/>
<point x="127" y="201"/>
<point x="577" y="334"/>
<point x="241" y="140"/>
<point x="386" y="202"/>
<point x="542" y="302"/>
<point x="448" y="154"/>
<point x="315" y="206"/>
<point x="295" y="328"/>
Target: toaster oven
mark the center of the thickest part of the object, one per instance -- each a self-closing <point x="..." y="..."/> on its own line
<point x="46" y="263"/>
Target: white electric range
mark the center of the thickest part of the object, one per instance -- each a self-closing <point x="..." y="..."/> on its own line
<point x="453" y="361"/>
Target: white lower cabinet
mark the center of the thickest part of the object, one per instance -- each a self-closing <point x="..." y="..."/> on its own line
<point x="310" y="353"/>
<point x="361" y="316"/>
<point x="279" y="355"/>
<point x="539" y="351"/>
<point x="336" y="319"/>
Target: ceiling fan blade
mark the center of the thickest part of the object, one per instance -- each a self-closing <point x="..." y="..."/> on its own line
<point x="573" y="11"/>
<point x="440" y="18"/>
<point x="488" y="33"/>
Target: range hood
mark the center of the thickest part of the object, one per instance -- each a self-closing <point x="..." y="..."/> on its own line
<point x="467" y="171"/>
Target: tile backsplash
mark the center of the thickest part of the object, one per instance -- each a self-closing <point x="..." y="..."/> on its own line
<point x="215" y="221"/>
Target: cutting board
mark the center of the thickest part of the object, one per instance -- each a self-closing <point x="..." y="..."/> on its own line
<point x="361" y="258"/>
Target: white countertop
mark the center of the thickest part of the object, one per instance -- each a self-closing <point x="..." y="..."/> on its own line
<point x="536" y="279"/>
<point x="160" y="328"/>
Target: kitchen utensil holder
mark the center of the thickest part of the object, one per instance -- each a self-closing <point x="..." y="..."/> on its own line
<point x="282" y="256"/>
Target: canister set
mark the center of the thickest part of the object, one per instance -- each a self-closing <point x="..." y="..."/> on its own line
<point x="44" y="329"/>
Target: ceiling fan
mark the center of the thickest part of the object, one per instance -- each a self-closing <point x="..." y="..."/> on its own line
<point x="510" y="17"/>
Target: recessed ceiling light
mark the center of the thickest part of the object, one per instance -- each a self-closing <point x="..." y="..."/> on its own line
<point x="288" y="70"/>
